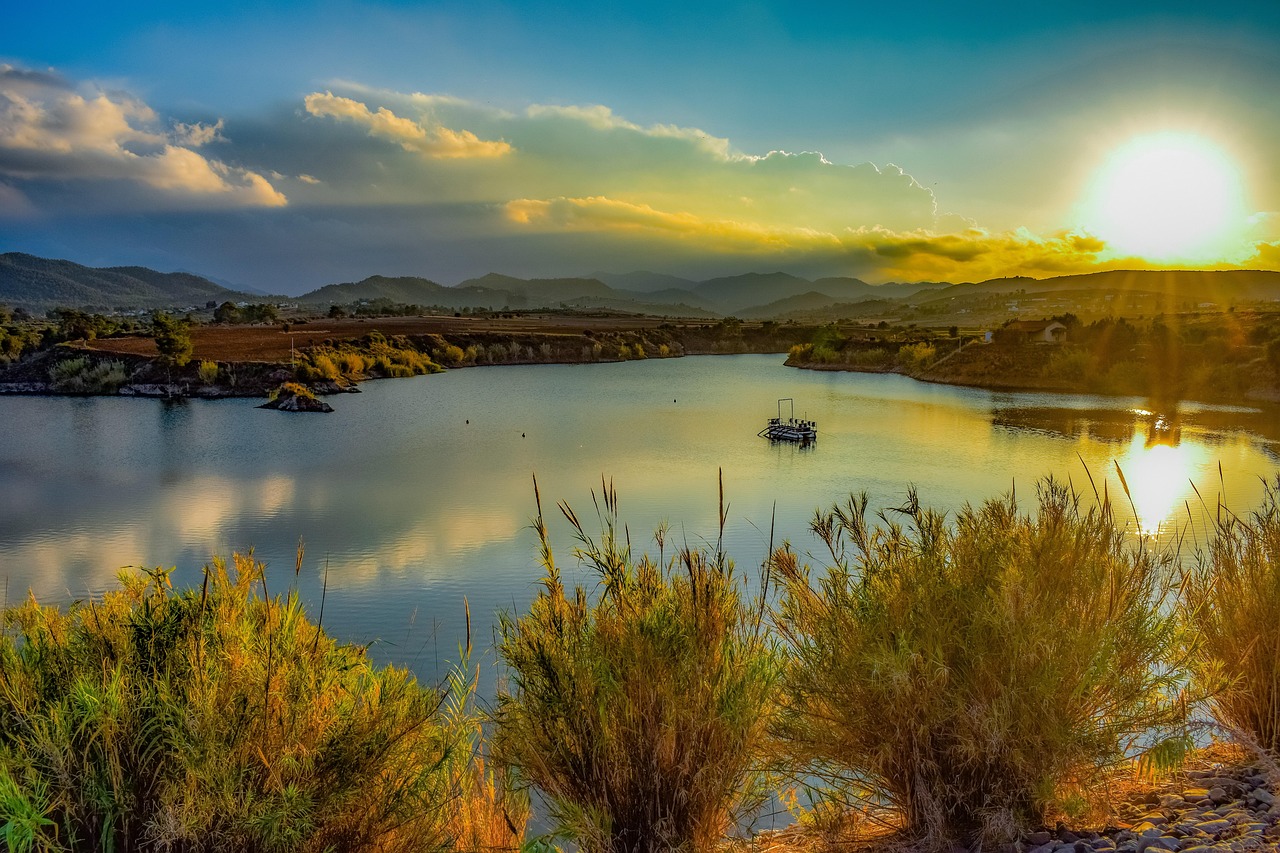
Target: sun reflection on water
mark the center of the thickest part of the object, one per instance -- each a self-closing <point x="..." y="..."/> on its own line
<point x="1158" y="471"/>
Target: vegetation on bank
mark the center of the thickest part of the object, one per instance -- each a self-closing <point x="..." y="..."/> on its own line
<point x="976" y="673"/>
<point x="638" y="712"/>
<point x="1217" y="357"/>
<point x="224" y="719"/>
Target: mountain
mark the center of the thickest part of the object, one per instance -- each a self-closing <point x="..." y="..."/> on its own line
<point x="736" y="292"/>
<point x="539" y="292"/>
<point x="1219" y="286"/>
<point x="409" y="290"/>
<point x="810" y="301"/>
<point x="38" y="284"/>
<point x="854" y="290"/>
<point x="753" y="293"/>
<point x="643" y="281"/>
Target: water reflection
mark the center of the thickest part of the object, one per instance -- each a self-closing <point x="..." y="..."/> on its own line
<point x="418" y="491"/>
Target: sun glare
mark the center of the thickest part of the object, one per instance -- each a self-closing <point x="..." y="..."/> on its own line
<point x="1167" y="196"/>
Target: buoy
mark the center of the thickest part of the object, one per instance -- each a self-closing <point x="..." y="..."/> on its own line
<point x="468" y="420"/>
<point x="522" y="435"/>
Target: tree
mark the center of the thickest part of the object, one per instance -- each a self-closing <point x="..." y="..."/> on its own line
<point x="336" y="312"/>
<point x="173" y="339"/>
<point x="227" y="312"/>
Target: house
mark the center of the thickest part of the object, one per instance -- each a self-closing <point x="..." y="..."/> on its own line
<point x="1039" y="331"/>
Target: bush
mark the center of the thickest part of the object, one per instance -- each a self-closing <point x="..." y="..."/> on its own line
<point x="975" y="671"/>
<point x="639" y="714"/>
<point x="1070" y="364"/>
<point x="915" y="357"/>
<point x="220" y="720"/>
<point x="83" y="376"/>
<point x="1232" y="602"/>
<point x="208" y="372"/>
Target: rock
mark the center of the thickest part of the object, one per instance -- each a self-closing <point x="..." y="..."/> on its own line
<point x="1152" y="842"/>
<point x="1047" y="847"/>
<point x="287" y="402"/>
<point x="1037" y="839"/>
<point x="1215" y="827"/>
<point x="1194" y="794"/>
<point x="1219" y="794"/>
<point x="1262" y="795"/>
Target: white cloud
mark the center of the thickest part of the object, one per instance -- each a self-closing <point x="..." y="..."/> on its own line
<point x="50" y="129"/>
<point x="431" y="141"/>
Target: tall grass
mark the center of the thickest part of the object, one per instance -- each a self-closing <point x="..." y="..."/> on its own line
<point x="1232" y="603"/>
<point x="637" y="711"/>
<point x="975" y="672"/>
<point x="222" y="719"/>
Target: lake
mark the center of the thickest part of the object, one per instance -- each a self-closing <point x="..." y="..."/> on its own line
<point x="419" y="492"/>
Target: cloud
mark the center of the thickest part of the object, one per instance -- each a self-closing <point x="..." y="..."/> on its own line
<point x="886" y="253"/>
<point x="196" y="134"/>
<point x="435" y="141"/>
<point x="1266" y="256"/>
<point x="13" y="204"/>
<point x="581" y="151"/>
<point x="52" y="130"/>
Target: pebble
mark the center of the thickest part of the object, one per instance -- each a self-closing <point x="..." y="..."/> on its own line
<point x="1216" y="810"/>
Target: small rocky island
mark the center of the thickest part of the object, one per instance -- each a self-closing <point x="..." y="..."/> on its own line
<point x="292" y="397"/>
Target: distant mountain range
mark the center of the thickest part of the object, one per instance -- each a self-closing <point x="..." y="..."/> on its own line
<point x="38" y="284"/>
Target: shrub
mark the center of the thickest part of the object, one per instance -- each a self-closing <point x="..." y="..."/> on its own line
<point x="324" y="366"/>
<point x="874" y="357"/>
<point x="208" y="372"/>
<point x="220" y="719"/>
<point x="638" y="714"/>
<point x="452" y="355"/>
<point x="1232" y="602"/>
<point x="914" y="357"/>
<point x="974" y="671"/>
<point x="1069" y="363"/>
<point x="83" y="376"/>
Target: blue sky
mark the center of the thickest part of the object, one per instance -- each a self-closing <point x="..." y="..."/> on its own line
<point x="288" y="145"/>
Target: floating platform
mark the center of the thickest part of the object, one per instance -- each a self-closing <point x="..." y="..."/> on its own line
<point x="793" y="429"/>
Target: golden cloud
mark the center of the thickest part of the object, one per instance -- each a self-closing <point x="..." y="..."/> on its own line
<point x="48" y="130"/>
<point x="436" y="141"/>
<point x="967" y="253"/>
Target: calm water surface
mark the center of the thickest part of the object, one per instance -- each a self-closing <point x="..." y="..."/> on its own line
<point x="411" y="508"/>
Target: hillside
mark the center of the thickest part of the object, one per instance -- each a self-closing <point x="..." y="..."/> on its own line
<point x="38" y="284"/>
<point x="406" y="289"/>
<point x="1220" y="286"/>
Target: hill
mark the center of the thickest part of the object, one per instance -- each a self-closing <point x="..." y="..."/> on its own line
<point x="409" y="290"/>
<point x="38" y="284"/>
<point x="1219" y="286"/>
<point x="643" y="281"/>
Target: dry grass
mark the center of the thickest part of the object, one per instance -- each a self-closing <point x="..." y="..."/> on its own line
<point x="224" y="719"/>
<point x="639" y="713"/>
<point x="1232" y="602"/>
<point x="977" y="675"/>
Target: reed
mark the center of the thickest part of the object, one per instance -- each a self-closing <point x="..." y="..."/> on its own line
<point x="221" y="719"/>
<point x="1232" y="603"/>
<point x="978" y="673"/>
<point x="639" y="711"/>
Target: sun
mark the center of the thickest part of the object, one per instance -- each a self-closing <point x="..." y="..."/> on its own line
<point x="1167" y="196"/>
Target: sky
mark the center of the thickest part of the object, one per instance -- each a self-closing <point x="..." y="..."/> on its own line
<point x="283" y="146"/>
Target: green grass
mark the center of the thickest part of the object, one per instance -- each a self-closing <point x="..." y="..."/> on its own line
<point x="223" y="719"/>
<point x="639" y="712"/>
<point x="977" y="672"/>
